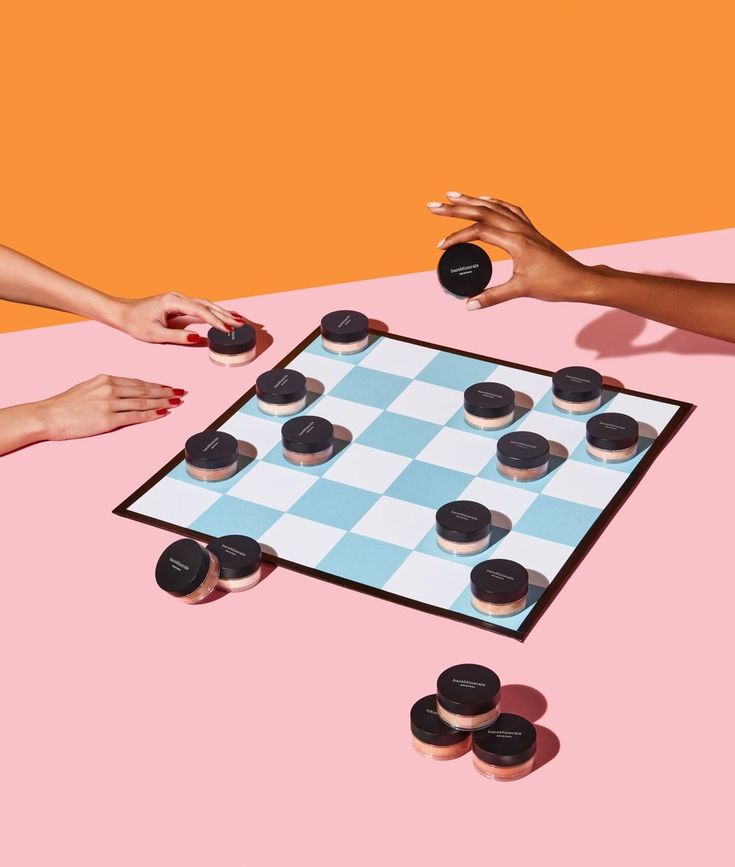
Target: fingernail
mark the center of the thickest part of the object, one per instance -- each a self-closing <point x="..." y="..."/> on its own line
<point x="179" y="392"/>
<point x="486" y="198"/>
<point x="473" y="305"/>
<point x="161" y="412"/>
<point x="236" y="315"/>
<point x="441" y="243"/>
<point x="174" y="401"/>
<point x="165" y="386"/>
<point x="453" y="194"/>
<point x="433" y="205"/>
<point x="193" y="338"/>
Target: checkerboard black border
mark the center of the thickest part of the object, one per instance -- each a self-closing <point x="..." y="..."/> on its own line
<point x="549" y="593"/>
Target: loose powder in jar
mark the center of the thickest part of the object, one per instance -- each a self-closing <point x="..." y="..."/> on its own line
<point x="232" y="348"/>
<point x="523" y="456"/>
<point x="489" y="405"/>
<point x="432" y="738"/>
<point x="281" y="391"/>
<point x="307" y="440"/>
<point x="187" y="570"/>
<point x="239" y="562"/>
<point x="211" y="456"/>
<point x="612" y="437"/>
<point x="499" y="587"/>
<point x="464" y="270"/>
<point x="577" y="389"/>
<point x="468" y="696"/>
<point x="506" y="749"/>
<point x="344" y="332"/>
<point x="463" y="527"/>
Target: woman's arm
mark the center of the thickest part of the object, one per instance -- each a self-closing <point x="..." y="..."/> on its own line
<point x="544" y="271"/>
<point x="29" y="282"/>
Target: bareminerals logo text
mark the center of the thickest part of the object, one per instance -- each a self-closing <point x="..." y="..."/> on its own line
<point x="231" y="550"/>
<point x="499" y="575"/>
<point x="177" y="564"/>
<point x="308" y="429"/>
<point x="344" y="322"/>
<point x="464" y="516"/>
<point x="463" y="269"/>
<point x="211" y="444"/>
<point x="504" y="733"/>
<point x="469" y="683"/>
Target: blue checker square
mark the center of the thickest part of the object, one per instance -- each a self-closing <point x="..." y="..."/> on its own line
<point x="557" y="520"/>
<point x="179" y="472"/>
<point x="373" y="387"/>
<point x="316" y="348"/>
<point x="456" y="371"/>
<point x="428" y="484"/>
<point x="399" y="434"/>
<point x="233" y="515"/>
<point x="359" y="558"/>
<point x="334" y="504"/>
<point x="581" y="454"/>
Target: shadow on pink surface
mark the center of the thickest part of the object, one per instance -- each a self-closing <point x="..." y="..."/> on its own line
<point x="531" y="704"/>
<point x="547" y="747"/>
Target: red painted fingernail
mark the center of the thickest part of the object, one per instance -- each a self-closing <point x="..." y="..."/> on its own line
<point x="237" y="316"/>
<point x="165" y="386"/>
<point x="193" y="338"/>
<point x="179" y="392"/>
<point x="174" y="401"/>
<point x="161" y="412"/>
<point x="229" y="327"/>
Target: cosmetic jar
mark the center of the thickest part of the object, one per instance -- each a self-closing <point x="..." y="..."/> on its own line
<point x="344" y="332"/>
<point x="612" y="436"/>
<point x="432" y="738"/>
<point x="577" y="389"/>
<point x="468" y="696"/>
<point x="464" y="270"/>
<point x="499" y="587"/>
<point x="232" y="348"/>
<point x="489" y="405"/>
<point x="281" y="391"/>
<point x="187" y="570"/>
<point x="211" y="456"/>
<point x="239" y="562"/>
<point x="307" y="440"/>
<point x="523" y="456"/>
<point x="463" y="527"/>
<point x="506" y="749"/>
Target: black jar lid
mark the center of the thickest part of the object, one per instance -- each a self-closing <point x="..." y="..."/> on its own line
<point x="523" y="450"/>
<point x="463" y="521"/>
<point x="509" y="741"/>
<point x="489" y="399"/>
<point x="182" y="567"/>
<point x="239" y="556"/>
<point x="468" y="689"/>
<point x="307" y="434"/>
<point x="577" y="384"/>
<point x="499" y="581"/>
<point x="344" y="326"/>
<point x="427" y="725"/>
<point x="280" y="385"/>
<point x="612" y="431"/>
<point x="236" y="342"/>
<point x="211" y="450"/>
<point x="464" y="270"/>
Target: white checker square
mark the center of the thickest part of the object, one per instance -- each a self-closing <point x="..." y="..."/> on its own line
<point x="428" y="402"/>
<point x="344" y="413"/>
<point x="397" y="522"/>
<point x="568" y="431"/>
<point x="175" y="502"/>
<point x="272" y="486"/>
<point x="582" y="483"/>
<point x="394" y="356"/>
<point x="300" y="539"/>
<point x="652" y="413"/>
<point x="261" y="433"/>
<point x="367" y="468"/>
<point x="535" y="385"/>
<point x="537" y="555"/>
<point x="327" y="371"/>
<point x="458" y="450"/>
<point x="509" y="500"/>
<point x="427" y="579"/>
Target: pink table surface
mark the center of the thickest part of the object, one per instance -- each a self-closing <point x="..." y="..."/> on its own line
<point x="272" y="726"/>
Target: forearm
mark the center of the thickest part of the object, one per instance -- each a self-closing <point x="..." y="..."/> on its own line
<point x="22" y="425"/>
<point x="29" y="282"/>
<point x="707" y="308"/>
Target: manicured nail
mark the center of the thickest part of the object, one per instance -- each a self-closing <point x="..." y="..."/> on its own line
<point x="174" y="401"/>
<point x="236" y="315"/>
<point x="473" y="305"/>
<point x="161" y="412"/>
<point x="453" y="194"/>
<point x="179" y="392"/>
<point x="441" y="243"/>
<point x="193" y="338"/>
<point x="433" y="205"/>
<point x="165" y="386"/>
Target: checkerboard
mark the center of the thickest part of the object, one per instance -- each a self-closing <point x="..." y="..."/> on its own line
<point x="365" y="518"/>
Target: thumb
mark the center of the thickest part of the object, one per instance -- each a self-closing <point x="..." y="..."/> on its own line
<point x="513" y="288"/>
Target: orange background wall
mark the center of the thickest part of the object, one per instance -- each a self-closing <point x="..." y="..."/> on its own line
<point x="227" y="148"/>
